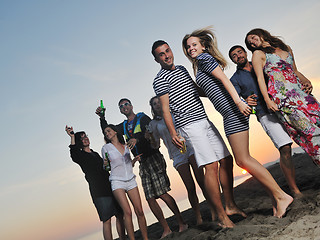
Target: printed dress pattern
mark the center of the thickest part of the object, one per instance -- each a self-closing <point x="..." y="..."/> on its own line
<point x="298" y="111"/>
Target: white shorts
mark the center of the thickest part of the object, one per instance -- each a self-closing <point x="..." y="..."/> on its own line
<point x="206" y="140"/>
<point x="275" y="130"/>
<point x="180" y="159"/>
<point x="126" y="185"/>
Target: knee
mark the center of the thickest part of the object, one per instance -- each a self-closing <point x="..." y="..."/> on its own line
<point x="139" y="212"/>
<point x="226" y="162"/>
<point x="127" y="213"/>
<point x="285" y="152"/>
<point x="211" y="168"/>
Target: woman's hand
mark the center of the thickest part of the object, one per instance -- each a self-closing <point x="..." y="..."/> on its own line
<point x="136" y="158"/>
<point x="244" y="108"/>
<point x="69" y="131"/>
<point x="132" y="143"/>
<point x="272" y="106"/>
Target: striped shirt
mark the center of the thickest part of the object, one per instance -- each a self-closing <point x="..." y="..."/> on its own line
<point x="184" y="100"/>
<point x="233" y="120"/>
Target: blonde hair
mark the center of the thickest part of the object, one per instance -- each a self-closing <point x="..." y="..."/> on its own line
<point x="209" y="41"/>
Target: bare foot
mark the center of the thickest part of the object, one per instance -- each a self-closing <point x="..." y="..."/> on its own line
<point x="282" y="205"/>
<point x="199" y="221"/>
<point x="298" y="195"/>
<point x="166" y="233"/>
<point x="236" y="210"/>
<point x="226" y="223"/>
<point x="183" y="227"/>
<point x="213" y="216"/>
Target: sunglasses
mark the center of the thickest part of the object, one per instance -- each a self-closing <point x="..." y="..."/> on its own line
<point x="125" y="104"/>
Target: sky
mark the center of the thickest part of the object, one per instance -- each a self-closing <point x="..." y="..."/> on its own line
<point x="59" y="58"/>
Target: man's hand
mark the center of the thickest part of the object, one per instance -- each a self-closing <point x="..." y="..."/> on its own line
<point x="100" y="112"/>
<point x="132" y="143"/>
<point x="307" y="87"/>
<point x="252" y="100"/>
<point x="176" y="141"/>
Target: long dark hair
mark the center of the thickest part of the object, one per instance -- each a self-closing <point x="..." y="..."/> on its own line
<point x="266" y="36"/>
<point x="119" y="136"/>
<point x="77" y="138"/>
<point x="154" y="114"/>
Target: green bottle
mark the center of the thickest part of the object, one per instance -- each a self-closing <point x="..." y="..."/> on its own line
<point x="103" y="108"/>
<point x="253" y="107"/>
<point x="107" y="167"/>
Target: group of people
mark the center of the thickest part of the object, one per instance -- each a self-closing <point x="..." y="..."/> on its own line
<point x="272" y="84"/>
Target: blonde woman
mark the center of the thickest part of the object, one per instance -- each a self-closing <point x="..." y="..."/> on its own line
<point x="208" y="63"/>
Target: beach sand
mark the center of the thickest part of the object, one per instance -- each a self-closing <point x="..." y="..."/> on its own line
<point x="302" y="220"/>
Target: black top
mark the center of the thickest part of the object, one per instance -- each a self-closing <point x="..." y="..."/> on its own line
<point x="143" y="146"/>
<point x="92" y="166"/>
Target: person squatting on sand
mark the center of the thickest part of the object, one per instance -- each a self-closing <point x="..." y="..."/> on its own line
<point x="181" y="161"/>
<point x="191" y="122"/>
<point x="200" y="47"/>
<point x="98" y="179"/>
<point x="152" y="167"/>
<point x="288" y="92"/>
<point x="245" y="82"/>
<point x="123" y="180"/>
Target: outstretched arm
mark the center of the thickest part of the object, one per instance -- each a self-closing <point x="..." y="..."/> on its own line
<point x="70" y="132"/>
<point x="306" y="84"/>
<point x="243" y="107"/>
<point x="164" y="99"/>
<point x="258" y="62"/>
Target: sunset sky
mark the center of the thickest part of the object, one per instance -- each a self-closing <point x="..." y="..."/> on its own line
<point x="59" y="58"/>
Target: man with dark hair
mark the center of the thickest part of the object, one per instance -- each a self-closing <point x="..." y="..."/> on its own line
<point x="179" y="96"/>
<point x="152" y="168"/>
<point x="245" y="82"/>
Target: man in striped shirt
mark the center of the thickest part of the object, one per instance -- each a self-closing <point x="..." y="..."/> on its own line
<point x="178" y="95"/>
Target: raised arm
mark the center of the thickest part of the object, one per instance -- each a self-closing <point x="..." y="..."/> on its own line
<point x="243" y="107"/>
<point x="306" y="84"/>
<point x="258" y="62"/>
<point x="164" y="99"/>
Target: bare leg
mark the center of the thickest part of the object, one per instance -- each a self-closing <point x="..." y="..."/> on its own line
<point x="107" y="233"/>
<point x="226" y="181"/>
<point x="120" y="226"/>
<point x="239" y="143"/>
<point x="185" y="174"/>
<point x="171" y="203"/>
<point x="214" y="197"/>
<point x="199" y="175"/>
<point x="135" y="199"/>
<point x="156" y="210"/>
<point x="121" y="197"/>
<point x="288" y="170"/>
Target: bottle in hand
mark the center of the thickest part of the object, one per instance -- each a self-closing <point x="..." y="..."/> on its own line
<point x="107" y="166"/>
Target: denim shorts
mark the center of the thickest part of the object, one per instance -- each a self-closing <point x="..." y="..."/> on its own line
<point x="106" y="207"/>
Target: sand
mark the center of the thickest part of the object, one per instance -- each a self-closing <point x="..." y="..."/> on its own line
<point x="302" y="220"/>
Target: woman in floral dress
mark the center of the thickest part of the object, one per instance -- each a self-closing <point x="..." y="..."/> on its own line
<point x="288" y="92"/>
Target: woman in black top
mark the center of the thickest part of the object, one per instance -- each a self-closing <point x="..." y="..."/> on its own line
<point x="98" y="179"/>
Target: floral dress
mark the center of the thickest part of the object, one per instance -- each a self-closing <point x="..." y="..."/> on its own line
<point x="298" y="111"/>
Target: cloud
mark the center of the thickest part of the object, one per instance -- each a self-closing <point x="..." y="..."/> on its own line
<point x="61" y="177"/>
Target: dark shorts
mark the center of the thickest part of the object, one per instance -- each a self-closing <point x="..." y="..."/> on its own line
<point x="154" y="178"/>
<point x="106" y="207"/>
